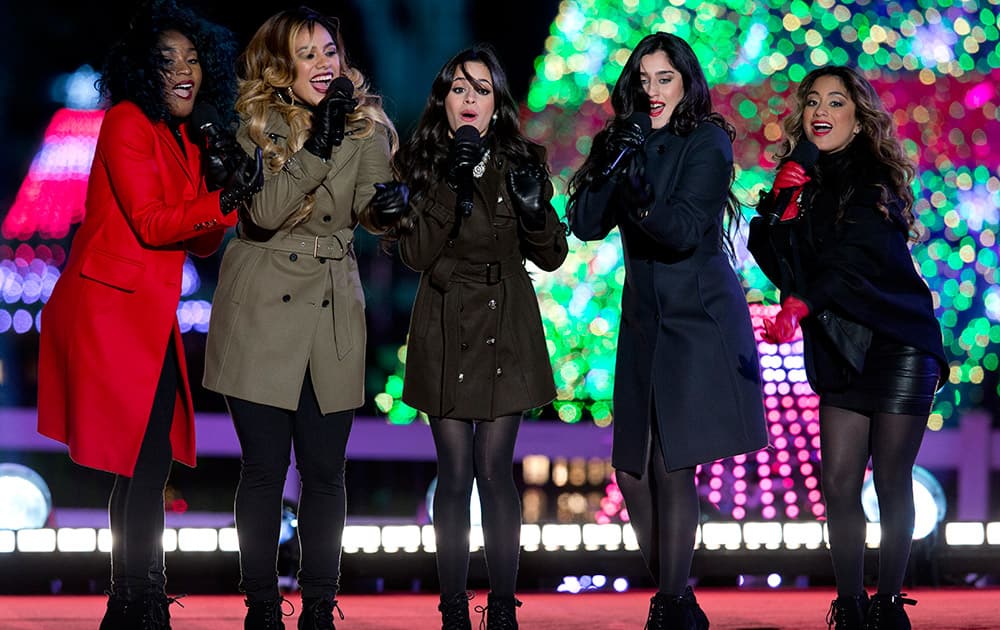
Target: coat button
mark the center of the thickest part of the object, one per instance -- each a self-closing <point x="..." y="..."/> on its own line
<point x="326" y="303"/>
<point x="451" y="242"/>
<point x="492" y="305"/>
<point x="491" y="341"/>
<point x="465" y="346"/>
<point x="293" y="257"/>
<point x="500" y="199"/>
<point x="286" y="298"/>
<point x="496" y="236"/>
<point x="499" y="371"/>
<point x="461" y="377"/>
<point x="327" y="218"/>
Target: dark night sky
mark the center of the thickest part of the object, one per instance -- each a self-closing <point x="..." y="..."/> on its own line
<point x="409" y="41"/>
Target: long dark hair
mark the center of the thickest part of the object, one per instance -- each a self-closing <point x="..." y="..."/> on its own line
<point x="135" y="65"/>
<point x="693" y="109"/>
<point x="420" y="161"/>
<point x="877" y="137"/>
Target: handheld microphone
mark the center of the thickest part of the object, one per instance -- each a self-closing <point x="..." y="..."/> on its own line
<point x="343" y="89"/>
<point x="466" y="136"/>
<point x="212" y="134"/>
<point x="645" y="123"/>
<point x="805" y="155"/>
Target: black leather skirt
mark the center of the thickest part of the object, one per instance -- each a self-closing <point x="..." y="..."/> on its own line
<point x="896" y="379"/>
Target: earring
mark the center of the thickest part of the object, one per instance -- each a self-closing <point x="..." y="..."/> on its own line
<point x="493" y="118"/>
<point x="285" y="97"/>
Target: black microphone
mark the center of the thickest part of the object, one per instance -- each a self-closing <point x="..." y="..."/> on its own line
<point x="465" y="135"/>
<point x="805" y="155"/>
<point x="646" y="124"/>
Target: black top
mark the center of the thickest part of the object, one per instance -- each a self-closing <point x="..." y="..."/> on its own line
<point x="851" y="259"/>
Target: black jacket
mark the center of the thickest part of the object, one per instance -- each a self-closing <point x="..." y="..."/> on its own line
<point x="857" y="266"/>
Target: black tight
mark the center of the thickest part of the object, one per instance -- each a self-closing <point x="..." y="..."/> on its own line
<point x="266" y="436"/>
<point x="847" y="438"/>
<point x="483" y="451"/>
<point x="664" y="511"/>
<point x="135" y="510"/>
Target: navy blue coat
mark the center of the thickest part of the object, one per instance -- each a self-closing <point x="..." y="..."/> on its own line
<point x="686" y="341"/>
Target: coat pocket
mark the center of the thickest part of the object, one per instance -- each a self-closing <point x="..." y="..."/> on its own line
<point x="113" y="270"/>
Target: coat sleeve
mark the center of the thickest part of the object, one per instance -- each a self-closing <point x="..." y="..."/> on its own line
<point x="679" y="221"/>
<point x="760" y="245"/>
<point x="593" y="212"/>
<point x="546" y="247"/>
<point x="373" y="168"/>
<point x="434" y="217"/>
<point x="128" y="141"/>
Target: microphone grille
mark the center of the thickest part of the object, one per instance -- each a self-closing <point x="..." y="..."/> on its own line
<point x="205" y="114"/>
<point x="342" y="86"/>
<point x="467" y="134"/>
<point x="805" y="154"/>
<point x="643" y="120"/>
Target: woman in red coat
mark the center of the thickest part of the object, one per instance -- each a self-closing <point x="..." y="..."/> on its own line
<point x="112" y="378"/>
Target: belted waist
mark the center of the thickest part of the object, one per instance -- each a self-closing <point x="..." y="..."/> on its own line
<point x="447" y="269"/>
<point x="335" y="246"/>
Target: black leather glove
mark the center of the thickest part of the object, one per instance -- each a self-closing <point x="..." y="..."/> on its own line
<point x="245" y="182"/>
<point x="623" y="136"/>
<point x="463" y="155"/>
<point x="526" y="186"/>
<point x="390" y="204"/>
<point x="220" y="157"/>
<point x="636" y="189"/>
<point x="329" y="117"/>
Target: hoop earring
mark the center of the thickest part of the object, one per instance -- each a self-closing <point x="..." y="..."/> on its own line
<point x="285" y="97"/>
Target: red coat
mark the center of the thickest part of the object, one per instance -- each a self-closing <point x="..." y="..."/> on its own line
<point x="105" y="329"/>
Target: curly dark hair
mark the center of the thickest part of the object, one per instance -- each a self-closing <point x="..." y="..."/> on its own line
<point x="135" y="64"/>
<point x="693" y="109"/>
<point x="877" y="138"/>
<point x="421" y="161"/>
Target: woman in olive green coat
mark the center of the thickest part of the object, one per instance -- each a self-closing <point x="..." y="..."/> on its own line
<point x="476" y="357"/>
<point x="287" y="336"/>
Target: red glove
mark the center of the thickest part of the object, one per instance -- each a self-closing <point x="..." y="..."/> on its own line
<point x="782" y="328"/>
<point x="792" y="177"/>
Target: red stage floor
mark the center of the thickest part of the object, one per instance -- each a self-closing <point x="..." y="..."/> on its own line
<point x="728" y="609"/>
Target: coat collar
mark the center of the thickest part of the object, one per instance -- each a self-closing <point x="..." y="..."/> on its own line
<point x="190" y="158"/>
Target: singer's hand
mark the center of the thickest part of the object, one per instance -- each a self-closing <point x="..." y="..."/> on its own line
<point x="623" y="135"/>
<point x="245" y="182"/>
<point x="782" y="328"/>
<point x="329" y="117"/>
<point x="791" y="177"/>
<point x="390" y="204"/>
<point x="526" y="187"/>
<point x="462" y="157"/>
<point x="220" y="156"/>
<point x="638" y="192"/>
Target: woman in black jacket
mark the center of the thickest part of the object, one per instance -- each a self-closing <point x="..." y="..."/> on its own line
<point x="835" y="242"/>
<point x="687" y="381"/>
<point x="476" y="356"/>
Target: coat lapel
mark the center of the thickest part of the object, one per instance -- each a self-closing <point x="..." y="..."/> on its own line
<point x="167" y="138"/>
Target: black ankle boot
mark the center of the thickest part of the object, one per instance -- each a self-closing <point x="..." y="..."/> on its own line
<point x="676" y="612"/>
<point x="317" y="613"/>
<point x="500" y="612"/>
<point x="848" y="612"/>
<point x="886" y="612"/>
<point x="148" y="612"/>
<point x="455" y="612"/>
<point x="264" y="614"/>
<point x="115" y="616"/>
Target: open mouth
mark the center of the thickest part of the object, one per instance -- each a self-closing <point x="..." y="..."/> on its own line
<point x="821" y="128"/>
<point x="655" y="108"/>
<point x="184" y="90"/>
<point x="321" y="82"/>
<point x="468" y="116"/>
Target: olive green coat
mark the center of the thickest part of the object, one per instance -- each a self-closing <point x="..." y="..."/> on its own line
<point x="476" y="347"/>
<point x="289" y="298"/>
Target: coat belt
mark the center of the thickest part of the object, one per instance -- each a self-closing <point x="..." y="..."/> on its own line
<point x="335" y="247"/>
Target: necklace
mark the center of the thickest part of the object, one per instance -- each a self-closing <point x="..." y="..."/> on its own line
<point x="479" y="169"/>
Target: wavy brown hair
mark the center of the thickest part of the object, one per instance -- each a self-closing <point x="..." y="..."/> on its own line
<point x="878" y="135"/>
<point x="267" y="73"/>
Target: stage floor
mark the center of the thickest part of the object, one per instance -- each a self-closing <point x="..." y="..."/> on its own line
<point x="727" y="609"/>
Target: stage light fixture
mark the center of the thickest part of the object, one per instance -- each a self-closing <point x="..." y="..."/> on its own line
<point x="25" y="501"/>
<point x="929" y="502"/>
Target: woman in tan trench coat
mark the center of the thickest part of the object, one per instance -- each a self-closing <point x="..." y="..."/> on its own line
<point x="476" y="355"/>
<point x="287" y="338"/>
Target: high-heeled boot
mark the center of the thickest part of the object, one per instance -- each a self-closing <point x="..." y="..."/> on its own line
<point x="455" y="612"/>
<point x="676" y="612"/>
<point x="848" y="612"/>
<point x="264" y="614"/>
<point x="500" y="612"/>
<point x="115" y="617"/>
<point x="317" y="613"/>
<point x="886" y="612"/>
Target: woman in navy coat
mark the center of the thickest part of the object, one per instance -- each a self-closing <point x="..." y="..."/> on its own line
<point x="687" y="381"/>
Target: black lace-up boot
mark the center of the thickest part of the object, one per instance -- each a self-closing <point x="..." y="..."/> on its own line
<point x="455" y="612"/>
<point x="500" y="612"/>
<point x="676" y="612"/>
<point x="848" y="612"/>
<point x="264" y="614"/>
<point x="317" y="613"/>
<point x="115" y="617"/>
<point x="886" y="612"/>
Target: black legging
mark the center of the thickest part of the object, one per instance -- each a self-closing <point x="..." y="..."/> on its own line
<point x="266" y="435"/>
<point x="664" y="512"/>
<point x="847" y="438"/>
<point x="483" y="451"/>
<point x="135" y="510"/>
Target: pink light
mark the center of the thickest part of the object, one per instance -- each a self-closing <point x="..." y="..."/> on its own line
<point x="792" y="511"/>
<point x="714" y="497"/>
<point x="715" y="483"/>
<point x="739" y="472"/>
<point x="740" y="485"/>
<point x="803" y="456"/>
<point x="815" y="496"/>
<point x="763" y="471"/>
<point x="767" y="498"/>
<point x="782" y="443"/>
<point x="806" y="469"/>
<point x="740" y="499"/>
<point x="791" y="497"/>
<point x="777" y="429"/>
<point x="784" y="470"/>
<point x="787" y="483"/>
<point x="811" y="483"/>
<point x="980" y="94"/>
<point x="818" y="509"/>
<point x="739" y="513"/>
<point x="718" y="469"/>
<point x="766" y="484"/>
<point x="769" y="512"/>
